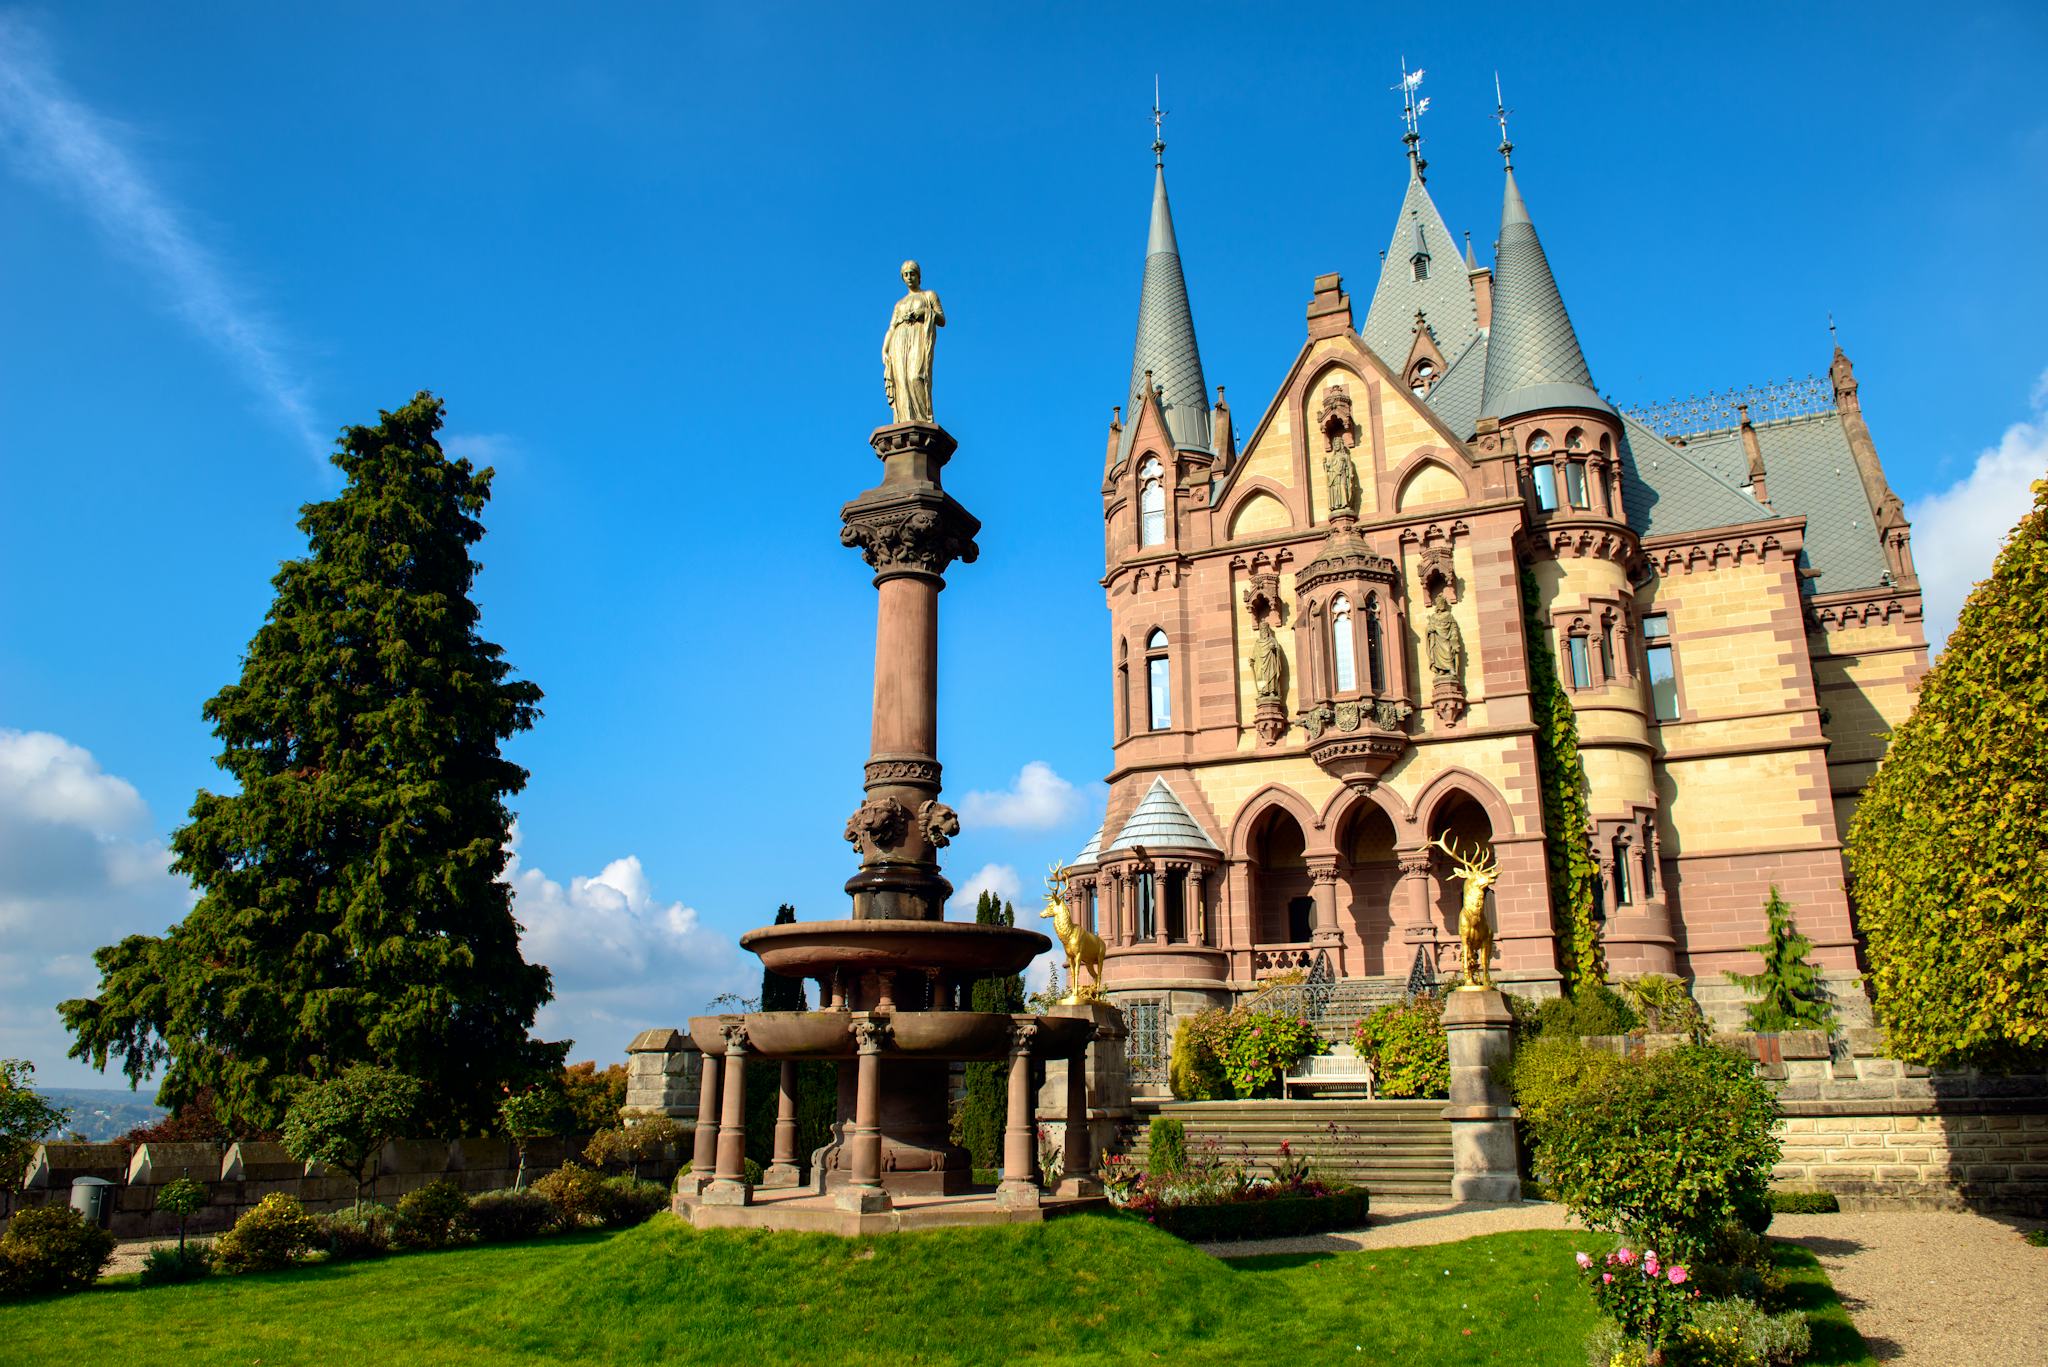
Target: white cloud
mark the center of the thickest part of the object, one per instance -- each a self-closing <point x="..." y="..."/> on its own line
<point x="80" y="867"/>
<point x="1000" y="879"/>
<point x="1038" y="801"/>
<point x="52" y="137"/>
<point x="1958" y="531"/>
<point x="623" y="960"/>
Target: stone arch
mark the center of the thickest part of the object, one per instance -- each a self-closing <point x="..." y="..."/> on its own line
<point x="1425" y="481"/>
<point x="1254" y="488"/>
<point x="1282" y="889"/>
<point x="1463" y="781"/>
<point x="1345" y="802"/>
<point x="1259" y="512"/>
<point x="1258" y="804"/>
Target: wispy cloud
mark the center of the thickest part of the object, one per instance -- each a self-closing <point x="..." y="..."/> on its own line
<point x="54" y="138"/>
<point x="1038" y="801"/>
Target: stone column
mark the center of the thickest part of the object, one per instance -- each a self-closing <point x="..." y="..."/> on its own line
<point x="1019" y="1187"/>
<point x="1197" y="917"/>
<point x="1159" y="872"/>
<point x="908" y="530"/>
<point x="1124" y="891"/>
<point x="1078" y="1175"/>
<point x="1416" y="915"/>
<point x="729" y="1187"/>
<point x="1483" y="1154"/>
<point x="863" y="1192"/>
<point x="1323" y="878"/>
<point x="782" y="1168"/>
<point x="704" y="1153"/>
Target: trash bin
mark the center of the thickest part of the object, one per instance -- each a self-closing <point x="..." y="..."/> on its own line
<point x="93" y="1197"/>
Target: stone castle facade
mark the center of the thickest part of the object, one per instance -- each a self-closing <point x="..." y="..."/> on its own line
<point x="1319" y="661"/>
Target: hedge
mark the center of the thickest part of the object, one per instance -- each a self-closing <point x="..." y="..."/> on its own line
<point x="1274" y="1219"/>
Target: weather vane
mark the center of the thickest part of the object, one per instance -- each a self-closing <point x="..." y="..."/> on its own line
<point x="1500" y="116"/>
<point x="1412" y="110"/>
<point x="1158" y="126"/>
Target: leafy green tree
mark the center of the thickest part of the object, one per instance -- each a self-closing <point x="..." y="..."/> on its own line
<point x="351" y="908"/>
<point x="986" y="1102"/>
<point x="1561" y="778"/>
<point x="526" y="1116"/>
<point x="184" y="1198"/>
<point x="592" y="1096"/>
<point x="344" y="1121"/>
<point x="1789" y="993"/>
<point x="1946" y="848"/>
<point x="25" y="1119"/>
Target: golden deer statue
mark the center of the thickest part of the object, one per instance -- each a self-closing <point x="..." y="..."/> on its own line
<point x="1083" y="946"/>
<point x="1473" y="931"/>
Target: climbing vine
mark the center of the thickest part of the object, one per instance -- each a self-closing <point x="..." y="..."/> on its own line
<point x="1563" y="781"/>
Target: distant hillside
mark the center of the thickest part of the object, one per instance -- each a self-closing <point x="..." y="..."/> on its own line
<point x="103" y="1113"/>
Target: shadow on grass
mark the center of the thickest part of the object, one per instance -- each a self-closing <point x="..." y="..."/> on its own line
<point x="1807" y="1289"/>
<point x="1822" y="1246"/>
<point x="1277" y="1262"/>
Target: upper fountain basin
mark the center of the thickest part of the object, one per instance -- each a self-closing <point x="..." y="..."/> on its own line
<point x="812" y="949"/>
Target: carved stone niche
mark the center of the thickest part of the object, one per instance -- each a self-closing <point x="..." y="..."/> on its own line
<point x="1262" y="598"/>
<point x="1438" y="570"/>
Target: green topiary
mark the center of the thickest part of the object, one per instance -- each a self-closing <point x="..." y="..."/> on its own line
<point x="1407" y="1047"/>
<point x="1561" y="778"/>
<point x="1669" y="1148"/>
<point x="274" y="1233"/>
<point x="167" y="1264"/>
<point x="184" y="1198"/>
<point x="51" y="1248"/>
<point x="1789" y="992"/>
<point x="498" y="1216"/>
<point x="1166" y="1147"/>
<point x="1945" y="847"/>
<point x="1594" y="1009"/>
<point x="430" y="1216"/>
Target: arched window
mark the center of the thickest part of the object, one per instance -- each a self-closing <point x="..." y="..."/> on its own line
<point x="1123" y="687"/>
<point x="1158" y="682"/>
<point x="1539" y="445"/>
<point x="1151" y="503"/>
<point x="1624" y="885"/>
<point x="1375" y="646"/>
<point x="1421" y="378"/>
<point x="1343" y="646"/>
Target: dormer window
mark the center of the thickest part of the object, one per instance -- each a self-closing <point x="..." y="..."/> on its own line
<point x="1419" y="263"/>
<point x="1421" y="379"/>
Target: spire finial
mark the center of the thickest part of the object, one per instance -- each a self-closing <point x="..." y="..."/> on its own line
<point x="1832" y="335"/>
<point x="1412" y="110"/>
<point x="1500" y="116"/>
<point x="1158" y="126"/>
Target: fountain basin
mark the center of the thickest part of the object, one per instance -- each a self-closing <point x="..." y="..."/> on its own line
<point x="814" y="949"/>
<point x="933" y="1035"/>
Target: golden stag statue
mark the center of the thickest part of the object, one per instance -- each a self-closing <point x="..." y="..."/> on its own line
<point x="1473" y="932"/>
<point x="1083" y="946"/>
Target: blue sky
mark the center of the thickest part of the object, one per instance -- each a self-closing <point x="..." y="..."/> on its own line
<point x="647" y="263"/>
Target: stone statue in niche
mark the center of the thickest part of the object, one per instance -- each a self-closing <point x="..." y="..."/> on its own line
<point x="1340" y="434"/>
<point x="1446" y="644"/>
<point x="907" y="349"/>
<point x="1267" y="664"/>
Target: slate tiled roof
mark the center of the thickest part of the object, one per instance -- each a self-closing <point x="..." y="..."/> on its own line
<point x="1667" y="489"/>
<point x="1090" y="852"/>
<point x="1457" y="395"/>
<point x="1533" y="360"/>
<point x="1810" y="472"/>
<point x="1166" y="339"/>
<point x="1161" y="822"/>
<point x="1445" y="298"/>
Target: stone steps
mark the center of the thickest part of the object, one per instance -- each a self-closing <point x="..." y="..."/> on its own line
<point x="1391" y="1148"/>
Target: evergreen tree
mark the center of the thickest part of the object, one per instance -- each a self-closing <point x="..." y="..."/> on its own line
<point x="1946" y="848"/>
<point x="1561" y="778"/>
<point x="986" y="1103"/>
<point x="351" y="908"/>
<point x="1789" y="993"/>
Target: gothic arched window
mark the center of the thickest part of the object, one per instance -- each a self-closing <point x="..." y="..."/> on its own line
<point x="1343" y="646"/>
<point x="1123" y="687"/>
<point x="1151" y="503"/>
<point x="1421" y="378"/>
<point x="1375" y="646"/>
<point x="1158" y="681"/>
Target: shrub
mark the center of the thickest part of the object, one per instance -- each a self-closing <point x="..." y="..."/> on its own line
<point x="1595" y="1009"/>
<point x="529" y="1115"/>
<point x="1804" y="1202"/>
<point x="1736" y="1333"/>
<point x="1646" y="1297"/>
<point x="430" y="1216"/>
<point x="181" y="1262"/>
<point x="630" y="1146"/>
<point x="51" y="1248"/>
<point x="184" y="1198"/>
<point x="500" y="1216"/>
<point x="1195" y="1070"/>
<point x="1737" y="1262"/>
<point x="1260" y="1046"/>
<point x="344" y="1121"/>
<point x="1166" y="1147"/>
<point x="362" y="1231"/>
<point x="1407" y="1047"/>
<point x="628" y="1201"/>
<point x="1789" y="992"/>
<point x="1274" y="1218"/>
<point x="1668" y="1148"/>
<point x="275" y="1232"/>
<point x="576" y="1193"/>
<point x="1945" y="847"/>
<point x="1665" y="1005"/>
<point x="1549" y="1070"/>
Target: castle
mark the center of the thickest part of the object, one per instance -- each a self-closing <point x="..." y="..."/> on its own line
<point x="1320" y="637"/>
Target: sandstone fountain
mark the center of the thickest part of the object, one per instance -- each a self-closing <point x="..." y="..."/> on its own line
<point x="892" y="980"/>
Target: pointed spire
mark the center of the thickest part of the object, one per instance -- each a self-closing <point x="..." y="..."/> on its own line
<point x="1165" y="357"/>
<point x="1471" y="261"/>
<point x="1533" y="359"/>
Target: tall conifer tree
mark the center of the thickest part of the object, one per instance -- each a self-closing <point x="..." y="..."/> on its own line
<point x="351" y="908"/>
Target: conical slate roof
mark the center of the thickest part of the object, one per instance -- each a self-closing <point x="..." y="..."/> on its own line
<point x="1161" y="822"/>
<point x="1166" y="338"/>
<point x="1090" y="852"/>
<point x="1533" y="360"/>
<point x="1444" y="296"/>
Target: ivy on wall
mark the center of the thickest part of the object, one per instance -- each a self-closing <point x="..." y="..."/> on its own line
<point x="1562" y="780"/>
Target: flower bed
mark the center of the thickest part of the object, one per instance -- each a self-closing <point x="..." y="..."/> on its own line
<point x="1202" y="1193"/>
<point x="1271" y="1218"/>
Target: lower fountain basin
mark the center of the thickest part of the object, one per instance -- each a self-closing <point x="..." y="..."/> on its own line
<point x="934" y="1035"/>
<point x="813" y="949"/>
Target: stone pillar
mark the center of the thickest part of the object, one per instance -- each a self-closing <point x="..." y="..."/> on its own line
<point x="1197" y="916"/>
<point x="782" y="1168"/>
<point x="1159" y="872"/>
<point x="908" y="530"/>
<point x="729" y="1187"/>
<point x="863" y="1191"/>
<point x="704" y="1152"/>
<point x="1077" y="1177"/>
<point x="1019" y="1187"/>
<point x="1485" y="1163"/>
<point x="1323" y="877"/>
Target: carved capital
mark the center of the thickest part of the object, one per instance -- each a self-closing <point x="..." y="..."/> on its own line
<point x="921" y="773"/>
<point x="1322" y="870"/>
<point x="735" y="1033"/>
<point x="869" y="1035"/>
<point x="919" y="534"/>
<point x="939" y="823"/>
<point x="880" y="823"/>
<point x="1413" y="864"/>
<point x="1022" y="1032"/>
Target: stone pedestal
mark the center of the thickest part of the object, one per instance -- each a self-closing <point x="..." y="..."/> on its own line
<point x="662" y="1077"/>
<point x="1486" y="1165"/>
<point x="1107" y="1075"/>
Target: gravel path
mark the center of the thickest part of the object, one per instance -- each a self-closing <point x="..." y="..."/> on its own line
<point x="1934" y="1287"/>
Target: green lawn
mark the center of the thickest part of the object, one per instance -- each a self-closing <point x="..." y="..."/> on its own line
<point x="1096" y="1289"/>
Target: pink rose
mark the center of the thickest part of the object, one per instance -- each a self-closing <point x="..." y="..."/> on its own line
<point x="1606" y="1277"/>
<point x="1677" y="1276"/>
<point x="1624" y="1257"/>
<point x="1584" y="1261"/>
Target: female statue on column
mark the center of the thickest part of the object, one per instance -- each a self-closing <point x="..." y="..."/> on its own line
<point x="1266" y="663"/>
<point x="1446" y="643"/>
<point x="907" y="350"/>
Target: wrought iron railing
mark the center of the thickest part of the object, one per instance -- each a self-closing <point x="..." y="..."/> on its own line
<point x="1697" y="414"/>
